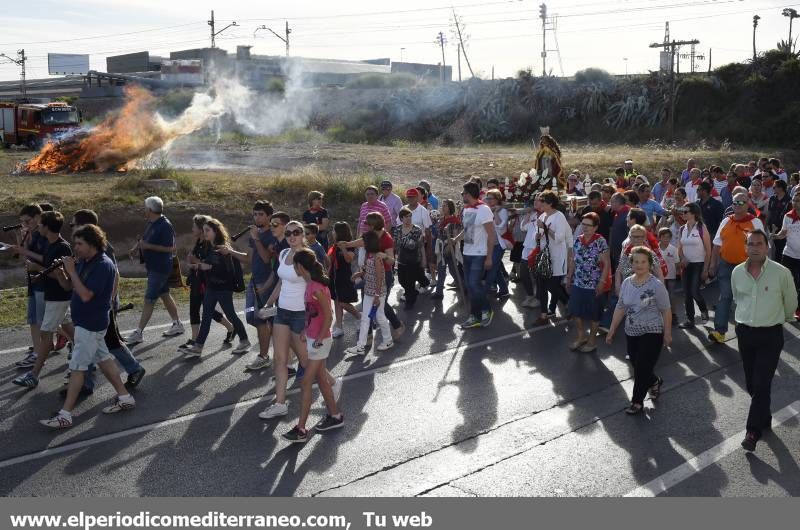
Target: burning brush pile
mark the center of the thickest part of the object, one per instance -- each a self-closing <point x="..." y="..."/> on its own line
<point x="123" y="137"/>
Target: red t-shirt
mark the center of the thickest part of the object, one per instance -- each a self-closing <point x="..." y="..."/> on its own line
<point x="386" y="243"/>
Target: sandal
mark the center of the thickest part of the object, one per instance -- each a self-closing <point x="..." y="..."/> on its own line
<point x="655" y="390"/>
<point x="634" y="408"/>
<point x="576" y="344"/>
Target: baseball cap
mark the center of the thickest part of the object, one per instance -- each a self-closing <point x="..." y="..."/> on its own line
<point x="425" y="184"/>
<point x="386" y="184"/>
<point x="412" y="192"/>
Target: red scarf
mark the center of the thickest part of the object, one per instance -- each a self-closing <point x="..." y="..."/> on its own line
<point x="449" y="220"/>
<point x="591" y="240"/>
<point x="653" y="243"/>
<point x="477" y="203"/>
<point x="622" y="211"/>
<point x="793" y="215"/>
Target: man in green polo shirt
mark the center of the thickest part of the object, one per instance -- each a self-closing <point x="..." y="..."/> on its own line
<point x="765" y="298"/>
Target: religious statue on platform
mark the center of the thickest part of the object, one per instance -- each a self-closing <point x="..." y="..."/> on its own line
<point x="548" y="172"/>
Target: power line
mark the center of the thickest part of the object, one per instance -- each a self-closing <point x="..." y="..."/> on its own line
<point x="108" y="35"/>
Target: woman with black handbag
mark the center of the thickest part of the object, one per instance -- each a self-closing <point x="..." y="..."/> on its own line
<point x="553" y="241"/>
<point x="196" y="281"/>
<point x="222" y="279"/>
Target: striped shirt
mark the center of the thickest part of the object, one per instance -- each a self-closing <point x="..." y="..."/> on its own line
<point x="368" y="208"/>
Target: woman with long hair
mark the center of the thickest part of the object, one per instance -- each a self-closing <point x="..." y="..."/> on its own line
<point x="497" y="276"/>
<point x="553" y="236"/>
<point x="342" y="288"/>
<point x="290" y="318"/>
<point x="317" y="300"/>
<point x="644" y="305"/>
<point x="694" y="252"/>
<point x="374" y="297"/>
<point x="758" y="198"/>
<point x="448" y="228"/>
<point x="197" y="284"/>
<point x="218" y="267"/>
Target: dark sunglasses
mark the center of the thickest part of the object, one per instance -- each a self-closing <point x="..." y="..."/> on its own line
<point x="739" y="203"/>
<point x="274" y="225"/>
<point x="290" y="233"/>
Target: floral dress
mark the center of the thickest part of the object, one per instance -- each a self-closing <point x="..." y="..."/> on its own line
<point x="588" y="272"/>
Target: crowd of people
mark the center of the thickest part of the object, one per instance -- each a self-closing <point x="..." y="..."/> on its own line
<point x="615" y="260"/>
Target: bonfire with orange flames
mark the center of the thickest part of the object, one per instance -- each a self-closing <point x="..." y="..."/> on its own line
<point x="121" y="139"/>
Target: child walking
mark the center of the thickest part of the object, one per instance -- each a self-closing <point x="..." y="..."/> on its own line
<point x="343" y="290"/>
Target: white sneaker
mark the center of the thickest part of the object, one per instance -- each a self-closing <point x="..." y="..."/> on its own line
<point x="356" y="350"/>
<point x="337" y="333"/>
<point x="337" y="389"/>
<point x="243" y="347"/>
<point x="119" y="404"/>
<point x="174" y="330"/>
<point x="275" y="410"/>
<point x="385" y="346"/>
<point x="259" y="363"/>
<point x="134" y="338"/>
<point x="193" y="352"/>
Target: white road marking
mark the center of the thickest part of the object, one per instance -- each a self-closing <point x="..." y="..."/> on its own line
<point x="125" y="332"/>
<point x="59" y="449"/>
<point x="706" y="458"/>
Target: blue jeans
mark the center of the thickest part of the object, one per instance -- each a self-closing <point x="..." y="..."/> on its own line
<point x="497" y="274"/>
<point x="123" y="356"/>
<point x="441" y="274"/>
<point x="211" y="298"/>
<point x="723" y="311"/>
<point x="473" y="275"/>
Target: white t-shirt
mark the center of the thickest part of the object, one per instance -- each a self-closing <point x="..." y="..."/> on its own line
<point x="475" y="238"/>
<point x="691" y="192"/>
<point x="293" y="287"/>
<point x="792" y="248"/>
<point x="670" y="255"/>
<point x="530" y="236"/>
<point x="559" y="243"/>
<point x="421" y="217"/>
<point x="501" y="228"/>
<point x="692" y="243"/>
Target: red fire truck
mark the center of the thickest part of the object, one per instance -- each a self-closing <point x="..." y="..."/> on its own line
<point x="31" y="124"/>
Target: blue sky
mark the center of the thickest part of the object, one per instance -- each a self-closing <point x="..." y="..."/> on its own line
<point x="505" y="35"/>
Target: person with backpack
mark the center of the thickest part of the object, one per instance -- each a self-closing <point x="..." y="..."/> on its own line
<point x="222" y="277"/>
<point x="553" y="241"/>
<point x="197" y="284"/>
<point x="694" y="252"/>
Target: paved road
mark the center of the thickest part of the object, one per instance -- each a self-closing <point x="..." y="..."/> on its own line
<point x="506" y="410"/>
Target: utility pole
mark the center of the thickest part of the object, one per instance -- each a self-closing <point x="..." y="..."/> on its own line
<point x="693" y="56"/>
<point x="285" y="39"/>
<point x="709" y="61"/>
<point x="401" y="54"/>
<point x="442" y="40"/>
<point x="459" y="61"/>
<point x="457" y="23"/>
<point x="543" y="16"/>
<point x="19" y="61"/>
<point x="756" y="18"/>
<point x="672" y="46"/>
<point x="215" y="33"/>
<point x="792" y="14"/>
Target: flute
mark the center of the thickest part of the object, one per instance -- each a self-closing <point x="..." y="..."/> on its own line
<point x="240" y="234"/>
<point x="57" y="264"/>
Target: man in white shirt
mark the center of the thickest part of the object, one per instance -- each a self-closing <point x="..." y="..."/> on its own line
<point x="479" y="240"/>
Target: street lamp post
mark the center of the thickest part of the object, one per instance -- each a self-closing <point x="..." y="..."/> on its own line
<point x="401" y="54"/>
<point x="626" y="65"/>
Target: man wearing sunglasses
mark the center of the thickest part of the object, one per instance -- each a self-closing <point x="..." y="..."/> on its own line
<point x="729" y="251"/>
